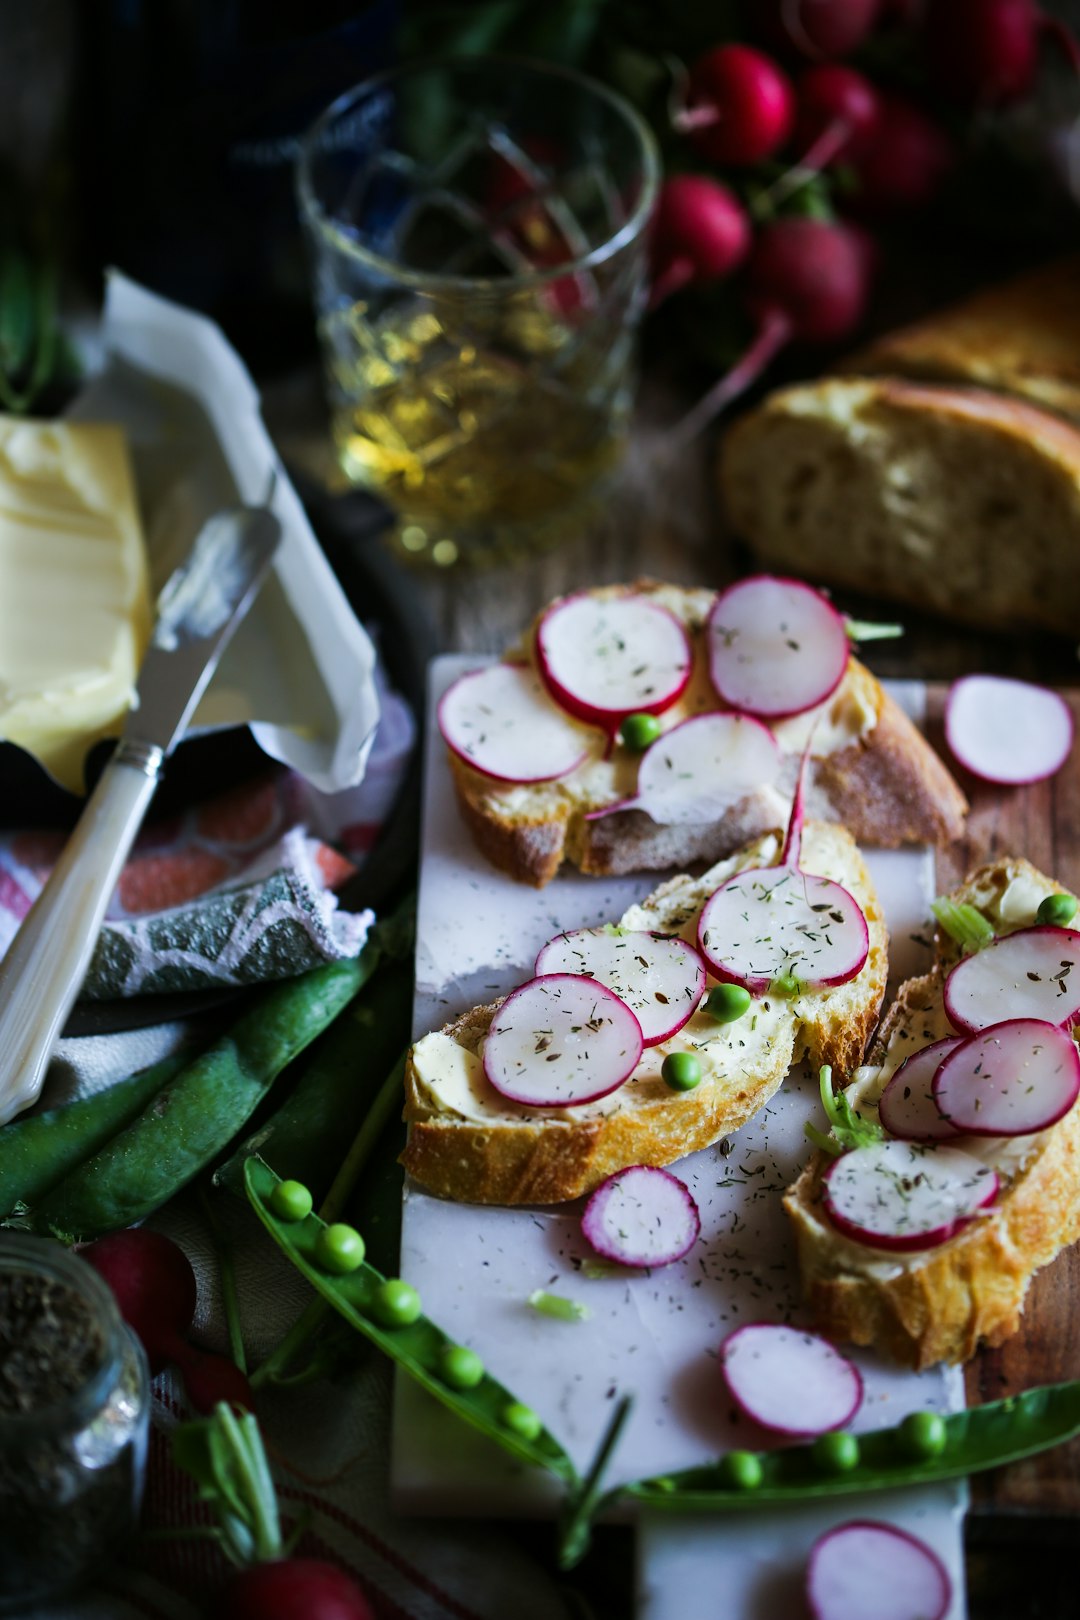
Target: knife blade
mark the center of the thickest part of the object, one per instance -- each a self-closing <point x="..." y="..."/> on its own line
<point x="199" y="608"/>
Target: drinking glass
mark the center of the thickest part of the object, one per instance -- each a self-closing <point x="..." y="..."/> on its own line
<point x="477" y="236"/>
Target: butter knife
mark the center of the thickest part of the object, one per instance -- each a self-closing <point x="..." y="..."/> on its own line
<point x="199" y="608"/>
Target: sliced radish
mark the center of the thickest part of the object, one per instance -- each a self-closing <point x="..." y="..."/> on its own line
<point x="776" y="646"/>
<point x="789" y="1380"/>
<point x="561" y="1040"/>
<point x="1007" y="731"/>
<point x="775" y="921"/>
<point x="502" y="722"/>
<point x="792" y="850"/>
<point x="659" y="976"/>
<point x="641" y="1216"/>
<point x="898" y="1195"/>
<point x="606" y="657"/>
<point x="696" y="771"/>
<point x="907" y="1108"/>
<point x="868" y="1571"/>
<point x="1012" y="1079"/>
<point x="1034" y="973"/>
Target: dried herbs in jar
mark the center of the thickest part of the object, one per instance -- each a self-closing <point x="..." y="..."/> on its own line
<point x="74" y="1410"/>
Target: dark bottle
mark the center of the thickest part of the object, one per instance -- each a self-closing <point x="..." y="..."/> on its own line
<point x="189" y="113"/>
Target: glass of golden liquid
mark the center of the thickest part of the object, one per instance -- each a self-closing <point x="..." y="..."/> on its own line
<point x="477" y="234"/>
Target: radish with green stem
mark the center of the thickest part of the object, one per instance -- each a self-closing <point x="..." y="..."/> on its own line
<point x="805" y="281"/>
<point x="700" y="234"/>
<point x="739" y="106"/>
<point x="224" y="1454"/>
<point x="984" y="53"/>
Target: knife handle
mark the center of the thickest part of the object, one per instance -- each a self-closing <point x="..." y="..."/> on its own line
<point x="43" y="969"/>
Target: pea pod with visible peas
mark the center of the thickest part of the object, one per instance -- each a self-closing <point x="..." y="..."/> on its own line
<point x="921" y="1449"/>
<point x="188" y="1123"/>
<point x="388" y="1312"/>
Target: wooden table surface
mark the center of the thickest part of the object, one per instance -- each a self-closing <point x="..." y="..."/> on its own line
<point x="663" y="519"/>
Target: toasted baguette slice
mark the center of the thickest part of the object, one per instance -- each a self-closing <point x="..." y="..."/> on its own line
<point x="957" y="501"/>
<point x="1019" y="337"/>
<point x="940" y="1304"/>
<point x="467" y="1142"/>
<point x="872" y="770"/>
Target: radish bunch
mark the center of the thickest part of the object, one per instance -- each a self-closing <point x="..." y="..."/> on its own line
<point x="997" y="1077"/>
<point x="789" y="96"/>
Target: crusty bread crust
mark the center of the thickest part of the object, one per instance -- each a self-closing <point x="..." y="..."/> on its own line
<point x="888" y="787"/>
<point x="935" y="491"/>
<point x="545" y="1160"/>
<point x="1021" y="337"/>
<point x="942" y="1304"/>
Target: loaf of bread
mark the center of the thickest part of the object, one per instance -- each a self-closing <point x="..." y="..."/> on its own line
<point x="942" y="1303"/>
<point x="956" y="500"/>
<point x="468" y="1142"/>
<point x="871" y="769"/>
<point x="1021" y="337"/>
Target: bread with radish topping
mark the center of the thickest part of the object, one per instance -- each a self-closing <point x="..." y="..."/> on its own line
<point x="940" y="1301"/>
<point x="469" y="1141"/>
<point x="543" y="775"/>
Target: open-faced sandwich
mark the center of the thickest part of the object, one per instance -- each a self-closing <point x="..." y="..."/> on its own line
<point x="953" y="1169"/>
<point x="645" y="727"/>
<point x="617" y="1053"/>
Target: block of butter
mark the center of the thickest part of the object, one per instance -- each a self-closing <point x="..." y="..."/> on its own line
<point x="74" y="597"/>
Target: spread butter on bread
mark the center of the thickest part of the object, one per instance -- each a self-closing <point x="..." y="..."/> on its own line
<point x="872" y="770"/>
<point x="468" y="1142"/>
<point x="941" y="1303"/>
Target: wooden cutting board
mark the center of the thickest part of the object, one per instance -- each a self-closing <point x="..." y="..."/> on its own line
<point x="1041" y="822"/>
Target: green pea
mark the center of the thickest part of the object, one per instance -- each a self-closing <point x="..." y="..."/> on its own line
<point x="291" y="1201"/>
<point x="786" y="984"/>
<point x="522" y="1420"/>
<point x="741" y="1470"/>
<point x="395" y="1303"/>
<point x="638" y="731"/>
<point x="923" y="1434"/>
<point x="461" y="1367"/>
<point x="339" y="1248"/>
<point x="1056" y="911"/>
<point x="836" y="1452"/>
<point x="681" y="1071"/>
<point x="726" y="1002"/>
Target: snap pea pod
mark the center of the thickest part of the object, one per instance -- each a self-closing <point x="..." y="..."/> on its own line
<point x="193" y="1119"/>
<point x="38" y="1151"/>
<point x="303" y="1138"/>
<point x="421" y="1348"/>
<point x="966" y="1442"/>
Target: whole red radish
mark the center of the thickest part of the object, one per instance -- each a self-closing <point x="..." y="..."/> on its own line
<point x="740" y="106"/>
<point x="805" y="280"/>
<point x="293" y="1589"/>
<point x="153" y="1283"/>
<point x="986" y="52"/>
<point x="815" y="28"/>
<point x="907" y="161"/>
<point x="837" y="117"/>
<point x="700" y="233"/>
<point x="811" y="276"/>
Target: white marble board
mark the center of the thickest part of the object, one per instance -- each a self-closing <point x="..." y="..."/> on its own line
<point x="655" y="1335"/>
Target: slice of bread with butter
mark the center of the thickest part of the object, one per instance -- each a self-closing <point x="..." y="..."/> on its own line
<point x="75" y="613"/>
<point x="941" y="1302"/>
<point x="871" y="769"/>
<point x="468" y="1142"/>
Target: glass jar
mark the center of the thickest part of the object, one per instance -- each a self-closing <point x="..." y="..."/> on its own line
<point x="74" y="1416"/>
